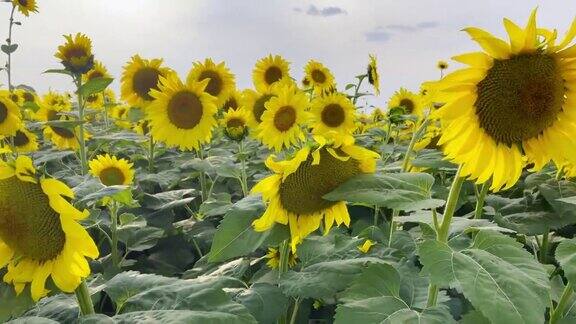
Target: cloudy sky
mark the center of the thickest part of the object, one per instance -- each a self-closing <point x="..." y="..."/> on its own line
<point x="408" y="36"/>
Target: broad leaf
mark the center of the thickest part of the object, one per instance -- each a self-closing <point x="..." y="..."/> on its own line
<point x="566" y="256"/>
<point x="264" y="301"/>
<point x="94" y="86"/>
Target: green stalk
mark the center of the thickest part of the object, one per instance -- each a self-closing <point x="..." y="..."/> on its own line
<point x="558" y="312"/>
<point x="357" y="89"/>
<point x="151" y="148"/>
<point x="9" y="42"/>
<point x="543" y="256"/>
<point x="84" y="299"/>
<point x="243" y="176"/>
<point x="203" y="187"/>
<point x="480" y="201"/>
<point x="114" y="233"/>
<point x="284" y="251"/>
<point x="432" y="296"/>
<point x="81" y="141"/>
<point x="295" y="311"/>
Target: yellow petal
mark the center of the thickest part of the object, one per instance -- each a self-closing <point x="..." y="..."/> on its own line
<point x="516" y="35"/>
<point x="495" y="47"/>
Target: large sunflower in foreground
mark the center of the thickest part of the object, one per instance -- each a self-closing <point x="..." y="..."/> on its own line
<point x="220" y="81"/>
<point x="334" y="117"/>
<point x="112" y="171"/>
<point x="25" y="6"/>
<point x="294" y="193"/>
<point x="76" y="54"/>
<point x="182" y="115"/>
<point x="39" y="232"/>
<point x="139" y="77"/>
<point x="10" y="117"/>
<point x="514" y="102"/>
<point x="409" y="101"/>
<point x="319" y="77"/>
<point x="270" y="70"/>
<point x="283" y="119"/>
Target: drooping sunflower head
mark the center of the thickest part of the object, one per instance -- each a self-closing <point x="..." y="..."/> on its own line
<point x="24" y="141"/>
<point x="112" y="171"/>
<point x="273" y="257"/>
<point x="25" y="6"/>
<point x="97" y="71"/>
<point x="39" y="233"/>
<point x="270" y="70"/>
<point x="409" y="101"/>
<point x="442" y="65"/>
<point x="233" y="101"/>
<point x="295" y="192"/>
<point x="334" y="117"/>
<point x="319" y="77"/>
<point x="284" y="118"/>
<point x="10" y="117"/>
<point x="220" y="80"/>
<point x="182" y="115"/>
<point x="514" y="102"/>
<point x="139" y="77"/>
<point x="76" y="54"/>
<point x="235" y="124"/>
<point x="373" y="76"/>
<point x="255" y="104"/>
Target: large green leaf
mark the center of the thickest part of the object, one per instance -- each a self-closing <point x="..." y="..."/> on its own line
<point x="264" y="301"/>
<point x="12" y="305"/>
<point x="94" y="86"/>
<point x="184" y="316"/>
<point x="566" y="256"/>
<point x="235" y="235"/>
<point x="496" y="275"/>
<point x="402" y="191"/>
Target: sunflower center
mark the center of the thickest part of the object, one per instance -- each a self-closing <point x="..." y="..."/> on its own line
<point x="235" y="122"/>
<point x="95" y="74"/>
<point x="371" y="74"/>
<point x="285" y="118"/>
<point x="28" y="97"/>
<point x="14" y="97"/>
<point x="259" y="106"/>
<point x="3" y="112"/>
<point x="20" y="139"/>
<point x="302" y="191"/>
<point x="63" y="132"/>
<point x="92" y="98"/>
<point x="23" y="2"/>
<point x="185" y="110"/>
<point x="28" y="225"/>
<point x="215" y="84"/>
<point x="318" y="76"/>
<point x="230" y="104"/>
<point x="273" y="74"/>
<point x="333" y="115"/>
<point x="520" y="97"/>
<point x="112" y="176"/>
<point x="145" y="80"/>
<point x="408" y="105"/>
<point x="75" y="52"/>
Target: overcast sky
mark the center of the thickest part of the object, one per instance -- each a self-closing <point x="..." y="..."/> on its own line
<point x="408" y="36"/>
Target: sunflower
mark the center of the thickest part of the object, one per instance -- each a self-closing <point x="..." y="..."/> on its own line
<point x="273" y="257"/>
<point x="57" y="101"/>
<point x="442" y="65"/>
<point x="120" y="115"/>
<point x="112" y="171"/>
<point x="409" y="101"/>
<point x="270" y="70"/>
<point x="109" y="96"/>
<point x="220" y="80"/>
<point x="28" y="97"/>
<point x="373" y="76"/>
<point x="334" y="117"/>
<point x="10" y="117"/>
<point x="139" y="77"/>
<point x="294" y="193"/>
<point x="14" y="95"/>
<point x="319" y="77"/>
<point x="377" y="115"/>
<point x="39" y="233"/>
<point x="97" y="71"/>
<point x="235" y="124"/>
<point x="233" y="101"/>
<point x="182" y="115"/>
<point x="76" y="54"/>
<point x="283" y="119"/>
<point x="255" y="104"/>
<point x="366" y="246"/>
<point x="142" y="127"/>
<point x="64" y="138"/>
<point x="24" y="141"/>
<point x="25" y="6"/>
<point x="515" y="102"/>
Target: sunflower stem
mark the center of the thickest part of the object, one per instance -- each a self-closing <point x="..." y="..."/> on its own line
<point x="243" y="176"/>
<point x="558" y="312"/>
<point x="357" y="88"/>
<point x="295" y="311"/>
<point x="202" y="175"/>
<point x="9" y="54"/>
<point x="415" y="137"/>
<point x="284" y="257"/>
<point x="480" y="201"/>
<point x="81" y="141"/>
<point x="151" y="148"/>
<point x="114" y="233"/>
<point x="84" y="299"/>
<point x="543" y="255"/>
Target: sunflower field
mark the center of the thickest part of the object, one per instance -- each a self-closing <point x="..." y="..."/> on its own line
<point x="184" y="199"/>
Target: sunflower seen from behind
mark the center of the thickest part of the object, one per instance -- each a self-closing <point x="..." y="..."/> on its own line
<point x="220" y="80"/>
<point x="182" y="115"/>
<point x="334" y="117"/>
<point x="269" y="71"/>
<point x="40" y="236"/>
<point x="112" y="171"/>
<point x="10" y="117"/>
<point x="319" y="77"/>
<point x="25" y="6"/>
<point x="294" y="194"/>
<point x="514" y="103"/>
<point x="138" y="78"/>
<point x="76" y="54"/>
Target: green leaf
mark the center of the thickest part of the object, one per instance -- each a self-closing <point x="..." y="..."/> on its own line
<point x="168" y="200"/>
<point x="32" y="320"/>
<point x="235" y="235"/>
<point x="264" y="301"/>
<point x="499" y="278"/>
<point x="184" y="316"/>
<point x="11" y="304"/>
<point x="105" y="191"/>
<point x="130" y="283"/>
<point x="57" y="71"/>
<point x="566" y="256"/>
<point x="60" y="308"/>
<point x="402" y="191"/>
<point x="137" y="236"/>
<point x="9" y="49"/>
<point x="94" y="86"/>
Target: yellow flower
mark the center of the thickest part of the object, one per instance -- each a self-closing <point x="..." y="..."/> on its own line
<point x="95" y="101"/>
<point x="109" y="96"/>
<point x="409" y="101"/>
<point x="39" y="232"/>
<point x="373" y="76"/>
<point x="255" y="104"/>
<point x="294" y="194"/>
<point x="319" y="77"/>
<point x="365" y="248"/>
<point x="442" y="65"/>
<point x="233" y="101"/>
<point x="270" y="70"/>
<point x="24" y="141"/>
<point x="10" y="117"/>
<point x="76" y="53"/>
<point x="139" y="77"/>
<point x="64" y="138"/>
<point x="235" y="124"/>
<point x="220" y="80"/>
<point x="57" y="101"/>
<point x="514" y="104"/>
<point x="334" y="117"/>
<point x="98" y="71"/>
<point x="112" y="171"/>
<point x="283" y="119"/>
<point x="25" y="6"/>
<point x="142" y="127"/>
<point x="182" y="115"/>
<point x="273" y="257"/>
